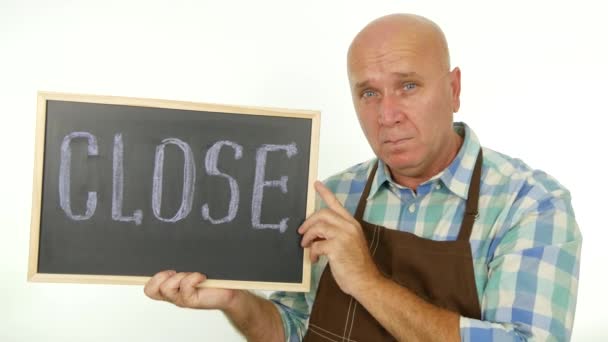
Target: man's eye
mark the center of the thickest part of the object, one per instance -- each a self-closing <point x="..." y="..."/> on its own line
<point x="409" y="86"/>
<point x="368" y="93"/>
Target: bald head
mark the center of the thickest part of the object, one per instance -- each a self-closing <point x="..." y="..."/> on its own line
<point x="407" y="33"/>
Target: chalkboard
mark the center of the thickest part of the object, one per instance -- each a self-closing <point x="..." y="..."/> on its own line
<point x="126" y="187"/>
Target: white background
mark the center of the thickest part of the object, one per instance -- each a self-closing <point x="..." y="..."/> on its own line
<point x="534" y="79"/>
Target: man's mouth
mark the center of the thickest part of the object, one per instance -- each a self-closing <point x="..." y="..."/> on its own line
<point x="396" y="141"/>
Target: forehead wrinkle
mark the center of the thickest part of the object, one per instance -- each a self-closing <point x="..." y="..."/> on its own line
<point x="379" y="58"/>
<point x="397" y="75"/>
<point x="399" y="63"/>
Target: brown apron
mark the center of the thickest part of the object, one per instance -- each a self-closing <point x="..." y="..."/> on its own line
<point x="440" y="272"/>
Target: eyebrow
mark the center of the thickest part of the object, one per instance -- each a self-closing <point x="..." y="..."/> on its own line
<point x="366" y="83"/>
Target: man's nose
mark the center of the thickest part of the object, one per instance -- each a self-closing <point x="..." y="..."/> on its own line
<point x="391" y="112"/>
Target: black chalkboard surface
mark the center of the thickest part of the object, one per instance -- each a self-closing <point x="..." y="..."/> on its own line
<point x="128" y="187"/>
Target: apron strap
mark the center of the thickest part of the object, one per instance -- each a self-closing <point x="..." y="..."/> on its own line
<point x="363" y="198"/>
<point x="471" y="212"/>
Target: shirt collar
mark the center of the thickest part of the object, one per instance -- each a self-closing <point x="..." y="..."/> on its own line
<point x="456" y="177"/>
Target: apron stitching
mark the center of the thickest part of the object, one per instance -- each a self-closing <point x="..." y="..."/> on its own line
<point x="373" y="246"/>
<point x="347" y="316"/>
<point x="328" y="332"/>
<point x="352" y="323"/>
<point x="350" y="304"/>
<point x="312" y="329"/>
<point x="377" y="241"/>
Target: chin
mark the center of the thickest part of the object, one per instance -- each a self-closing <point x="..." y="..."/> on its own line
<point x="401" y="161"/>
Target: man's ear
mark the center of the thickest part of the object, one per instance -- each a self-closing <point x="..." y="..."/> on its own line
<point x="455" y="88"/>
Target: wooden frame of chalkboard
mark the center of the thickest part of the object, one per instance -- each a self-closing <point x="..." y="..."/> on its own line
<point x="241" y="176"/>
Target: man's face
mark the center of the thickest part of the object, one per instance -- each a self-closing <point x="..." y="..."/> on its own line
<point x="404" y="98"/>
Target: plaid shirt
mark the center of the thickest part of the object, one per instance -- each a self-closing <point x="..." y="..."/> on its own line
<point x="525" y="243"/>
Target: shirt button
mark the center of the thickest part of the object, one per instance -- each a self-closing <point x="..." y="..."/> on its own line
<point x="438" y="186"/>
<point x="412" y="208"/>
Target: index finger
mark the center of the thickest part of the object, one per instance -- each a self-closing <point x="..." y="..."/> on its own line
<point x="332" y="202"/>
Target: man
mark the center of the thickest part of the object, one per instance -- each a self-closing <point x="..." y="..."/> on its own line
<point x="438" y="239"/>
